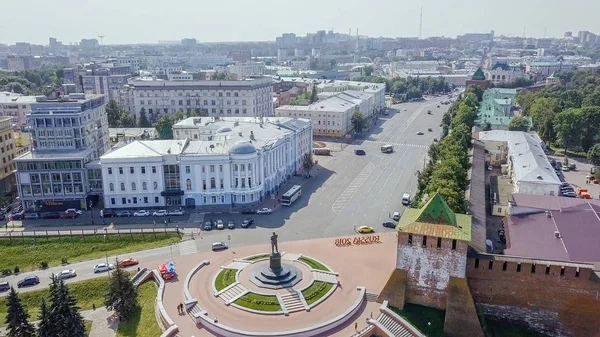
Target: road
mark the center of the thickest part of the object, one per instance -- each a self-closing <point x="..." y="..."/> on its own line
<point x="344" y="192"/>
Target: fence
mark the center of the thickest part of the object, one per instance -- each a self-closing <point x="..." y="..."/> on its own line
<point x="91" y="232"/>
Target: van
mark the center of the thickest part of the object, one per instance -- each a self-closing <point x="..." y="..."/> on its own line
<point x="406" y="199"/>
<point x="396" y="216"/>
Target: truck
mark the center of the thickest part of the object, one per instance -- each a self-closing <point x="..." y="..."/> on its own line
<point x="324" y="151"/>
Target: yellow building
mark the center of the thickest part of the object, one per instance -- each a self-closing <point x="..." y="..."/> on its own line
<point x="8" y="151"/>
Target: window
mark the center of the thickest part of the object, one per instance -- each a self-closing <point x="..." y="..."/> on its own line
<point x="236" y="182"/>
<point x="476" y="263"/>
<point x="249" y="182"/>
<point x="187" y="169"/>
<point x="124" y="201"/>
<point x="144" y="186"/>
<point x="143" y="169"/>
<point x="243" y="183"/>
<point x="109" y="170"/>
<point x="204" y="184"/>
<point x="424" y="240"/>
<point x="188" y="184"/>
<point x="155" y="185"/>
<point x="221" y="184"/>
<point x="220" y="168"/>
<point x="153" y="169"/>
<point x="410" y="239"/>
<point x="548" y="270"/>
<point x="111" y="187"/>
<point x="156" y="200"/>
<point x="145" y="200"/>
<point x="112" y="201"/>
<point x="122" y="186"/>
<point x="235" y="167"/>
<point x="490" y="264"/>
<point x="439" y="242"/>
<point x="213" y="183"/>
<point x="131" y="170"/>
<point x="518" y="268"/>
<point x="533" y="268"/>
<point x="453" y="244"/>
<point x="120" y="170"/>
<point x="133" y="186"/>
<point x="243" y="167"/>
<point x="135" y="200"/>
<point x="244" y="110"/>
<point x="249" y="167"/>
<point x="212" y="168"/>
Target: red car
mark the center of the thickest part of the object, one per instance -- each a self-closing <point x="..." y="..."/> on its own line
<point x="128" y="262"/>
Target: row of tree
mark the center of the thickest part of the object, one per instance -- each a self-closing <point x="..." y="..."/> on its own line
<point x="60" y="315"/>
<point x="410" y="87"/>
<point x="446" y="170"/>
<point x="31" y="82"/>
<point x="567" y="114"/>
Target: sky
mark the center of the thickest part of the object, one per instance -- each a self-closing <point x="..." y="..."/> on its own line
<point x="148" y="21"/>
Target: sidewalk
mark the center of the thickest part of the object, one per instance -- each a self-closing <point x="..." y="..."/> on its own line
<point x="102" y="325"/>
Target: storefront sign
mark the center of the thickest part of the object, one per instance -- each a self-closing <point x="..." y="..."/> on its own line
<point x="361" y="240"/>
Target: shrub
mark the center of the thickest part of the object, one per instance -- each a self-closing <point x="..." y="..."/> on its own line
<point x="6" y="272"/>
<point x="44" y="265"/>
<point x="17" y="270"/>
<point x="64" y="261"/>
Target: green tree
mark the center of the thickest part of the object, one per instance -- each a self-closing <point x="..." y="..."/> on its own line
<point x="143" y="121"/>
<point x="518" y="123"/>
<point x="126" y="121"/>
<point x="590" y="126"/>
<point x="164" y="126"/>
<point x="307" y="163"/>
<point x="592" y="99"/>
<point x="113" y="113"/>
<point x="567" y="126"/>
<point x="359" y="121"/>
<point x="45" y="326"/>
<point x="178" y="116"/>
<point x="17" y="318"/>
<point x="542" y="112"/>
<point x="121" y="295"/>
<point x="487" y="126"/>
<point x="593" y="155"/>
<point x="64" y="312"/>
<point x="313" y="94"/>
<point x="367" y="71"/>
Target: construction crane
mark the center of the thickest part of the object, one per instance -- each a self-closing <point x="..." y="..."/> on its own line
<point x="101" y="37"/>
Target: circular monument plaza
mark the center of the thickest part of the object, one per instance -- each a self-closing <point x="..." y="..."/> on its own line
<point x="301" y="288"/>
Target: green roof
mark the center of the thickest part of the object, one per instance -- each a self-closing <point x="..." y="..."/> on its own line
<point x="479" y="75"/>
<point x="436" y="219"/>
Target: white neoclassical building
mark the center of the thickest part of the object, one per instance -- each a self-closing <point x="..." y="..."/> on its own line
<point x="230" y="162"/>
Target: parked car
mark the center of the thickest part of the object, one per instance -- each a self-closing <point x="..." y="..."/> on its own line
<point x="4" y="286"/>
<point x="177" y="212"/>
<point x="218" y="246"/>
<point x="208" y="226"/>
<point x="220" y="224"/>
<point x="248" y="211"/>
<point x="435" y="140"/>
<point x="161" y="212"/>
<point x="102" y="267"/>
<point x="359" y="152"/>
<point x="419" y="133"/>
<point x="430" y="130"/>
<point x="28" y="281"/>
<point x="65" y="274"/>
<point x="74" y="210"/>
<point x="16" y="216"/>
<point x="365" y="229"/>
<point x="128" y="262"/>
<point x="230" y="224"/>
<point x="105" y="213"/>
<point x="389" y="224"/>
<point x="405" y="199"/>
<point x="396" y="216"/>
<point x="50" y="215"/>
<point x="247" y="222"/>
<point x="141" y="212"/>
<point x="31" y="216"/>
<point x="264" y="211"/>
<point x="124" y="214"/>
<point x="68" y="215"/>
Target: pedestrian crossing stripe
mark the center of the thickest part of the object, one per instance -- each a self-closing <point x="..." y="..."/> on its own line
<point x="188" y="247"/>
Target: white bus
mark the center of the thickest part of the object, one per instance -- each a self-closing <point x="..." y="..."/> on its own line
<point x="387" y="149"/>
<point x="290" y="196"/>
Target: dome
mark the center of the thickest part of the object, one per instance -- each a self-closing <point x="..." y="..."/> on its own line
<point x="223" y="129"/>
<point x="242" y="148"/>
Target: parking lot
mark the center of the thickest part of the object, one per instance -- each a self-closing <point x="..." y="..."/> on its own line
<point x="578" y="177"/>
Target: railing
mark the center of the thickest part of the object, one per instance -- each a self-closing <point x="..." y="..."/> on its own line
<point x="90" y="232"/>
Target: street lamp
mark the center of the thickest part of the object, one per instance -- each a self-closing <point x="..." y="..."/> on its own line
<point x="90" y="207"/>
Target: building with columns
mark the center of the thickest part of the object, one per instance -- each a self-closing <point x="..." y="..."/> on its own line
<point x="227" y="162"/>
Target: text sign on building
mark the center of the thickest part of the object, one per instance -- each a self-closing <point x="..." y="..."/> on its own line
<point x="363" y="240"/>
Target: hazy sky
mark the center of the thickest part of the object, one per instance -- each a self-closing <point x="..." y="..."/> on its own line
<point x="147" y="21"/>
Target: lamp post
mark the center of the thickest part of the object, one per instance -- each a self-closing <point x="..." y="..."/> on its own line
<point x="90" y="207"/>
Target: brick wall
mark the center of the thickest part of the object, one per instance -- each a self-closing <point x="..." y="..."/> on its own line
<point x="429" y="268"/>
<point x="545" y="289"/>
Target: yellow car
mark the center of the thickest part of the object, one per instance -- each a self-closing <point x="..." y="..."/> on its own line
<point x="365" y="229"/>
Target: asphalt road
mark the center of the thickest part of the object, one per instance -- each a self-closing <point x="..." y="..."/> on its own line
<point x="344" y="192"/>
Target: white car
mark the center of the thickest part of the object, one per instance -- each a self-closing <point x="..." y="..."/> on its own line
<point x="161" y="212"/>
<point x="264" y="211"/>
<point x="220" y="224"/>
<point x="406" y="199"/>
<point x="218" y="246"/>
<point x="141" y="213"/>
<point x="73" y="210"/>
<point x="65" y="274"/>
<point x="101" y="267"/>
<point x="177" y="212"/>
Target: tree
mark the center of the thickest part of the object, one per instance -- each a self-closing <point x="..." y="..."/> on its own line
<point x="359" y="122"/>
<point x="543" y="110"/>
<point x="126" y="121"/>
<point x="568" y="127"/>
<point x="307" y="163"/>
<point x="64" y="312"/>
<point x="121" y="295"/>
<point x="113" y="113"/>
<point x="143" y="121"/>
<point x="518" y="123"/>
<point x="590" y="126"/>
<point x="45" y="327"/>
<point x="367" y="71"/>
<point x="487" y="126"/>
<point x="313" y="94"/>
<point x="17" y="318"/>
<point x="164" y="126"/>
<point x="594" y="155"/>
<point x="178" y="116"/>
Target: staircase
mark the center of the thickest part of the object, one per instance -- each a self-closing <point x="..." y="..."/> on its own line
<point x="233" y="293"/>
<point x="395" y="328"/>
<point x="370" y="297"/>
<point x="141" y="278"/>
<point x="292" y="302"/>
<point x="324" y="276"/>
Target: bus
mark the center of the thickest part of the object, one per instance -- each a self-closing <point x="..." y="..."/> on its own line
<point x="322" y="151"/>
<point x="290" y="196"/>
<point x="387" y="149"/>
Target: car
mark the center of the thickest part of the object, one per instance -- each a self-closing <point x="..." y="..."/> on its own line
<point x="419" y="133"/>
<point x="31" y="216"/>
<point x="396" y="216"/>
<point x="50" y="215"/>
<point x="428" y="111"/>
<point x="124" y="214"/>
<point x="405" y="199"/>
<point x="264" y="211"/>
<point x="565" y="185"/>
<point x="570" y="195"/>
<point x="386" y="113"/>
<point x="128" y="262"/>
<point x="220" y="224"/>
<point x="435" y="140"/>
<point x="28" y="281"/>
<point x="162" y="212"/>
<point x="4" y="286"/>
<point x="16" y="216"/>
<point x="177" y="212"/>
<point x="247" y="222"/>
<point x="565" y="168"/>
<point x="141" y="212"/>
<point x="105" y="213"/>
<point x="230" y="224"/>
<point x="248" y="211"/>
<point x="101" y="267"/>
<point x="359" y="152"/>
<point x="65" y="274"/>
<point x="218" y="246"/>
<point x="74" y="210"/>
<point x="404" y="109"/>
<point x="208" y="226"/>
<point x="389" y="224"/>
<point x="438" y="106"/>
<point x="430" y="130"/>
<point x="68" y="215"/>
<point x="365" y="229"/>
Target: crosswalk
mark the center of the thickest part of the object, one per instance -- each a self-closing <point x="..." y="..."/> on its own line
<point x="349" y="192"/>
<point x="396" y="144"/>
<point x="188" y="247"/>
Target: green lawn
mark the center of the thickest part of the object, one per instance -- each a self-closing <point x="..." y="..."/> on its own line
<point x="313" y="264"/>
<point x="28" y="253"/>
<point x="257" y="257"/>
<point x="316" y="291"/>
<point x="259" y="302"/>
<point x="88" y="327"/>
<point x="143" y="322"/>
<point x="225" y="278"/>
<point x="420" y="316"/>
<point x="558" y="151"/>
<point x="88" y="292"/>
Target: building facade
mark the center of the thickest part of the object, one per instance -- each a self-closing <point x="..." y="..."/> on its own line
<point x="246" y="69"/>
<point x="223" y="162"/>
<point x="15" y="106"/>
<point x="67" y="134"/>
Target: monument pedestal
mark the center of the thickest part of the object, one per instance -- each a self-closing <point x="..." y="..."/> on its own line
<point x="276" y="275"/>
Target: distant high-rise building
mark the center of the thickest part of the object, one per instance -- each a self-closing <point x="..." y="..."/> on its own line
<point x="286" y="40"/>
<point x="568" y="34"/>
<point x="188" y="42"/>
<point x="89" y="44"/>
<point x="281" y="55"/>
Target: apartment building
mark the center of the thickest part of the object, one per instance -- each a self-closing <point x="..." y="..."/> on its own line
<point x="67" y="134"/>
<point x="249" y="98"/>
<point x="15" y="106"/>
<point x="247" y="69"/>
<point x="8" y="150"/>
<point x="225" y="162"/>
<point x="106" y="78"/>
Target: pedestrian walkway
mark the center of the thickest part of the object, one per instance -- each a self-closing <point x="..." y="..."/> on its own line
<point x="188" y="247"/>
<point x="349" y="192"/>
<point x="196" y="217"/>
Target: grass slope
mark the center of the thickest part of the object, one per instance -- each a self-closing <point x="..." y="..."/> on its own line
<point x="143" y="322"/>
<point x="316" y="291"/>
<point x="225" y="278"/>
<point x="259" y="302"/>
<point x="428" y="320"/>
<point x="313" y="263"/>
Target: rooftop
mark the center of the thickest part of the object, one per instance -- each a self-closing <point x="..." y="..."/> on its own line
<point x="58" y="155"/>
<point x="132" y="132"/>
<point x="479" y="75"/>
<point x="11" y="97"/>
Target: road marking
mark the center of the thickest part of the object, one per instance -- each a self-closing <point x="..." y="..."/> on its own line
<point x="188" y="247"/>
<point x="396" y="144"/>
<point x="349" y="192"/>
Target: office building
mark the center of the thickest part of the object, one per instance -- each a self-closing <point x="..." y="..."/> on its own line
<point x="247" y="69"/>
<point x="15" y="106"/>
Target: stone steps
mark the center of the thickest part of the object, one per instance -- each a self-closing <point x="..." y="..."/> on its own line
<point x="324" y="276"/>
<point x="141" y="278"/>
<point x="194" y="310"/>
<point x="370" y="297"/>
<point x="233" y="293"/>
<point x="292" y="302"/>
<point x="392" y="326"/>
